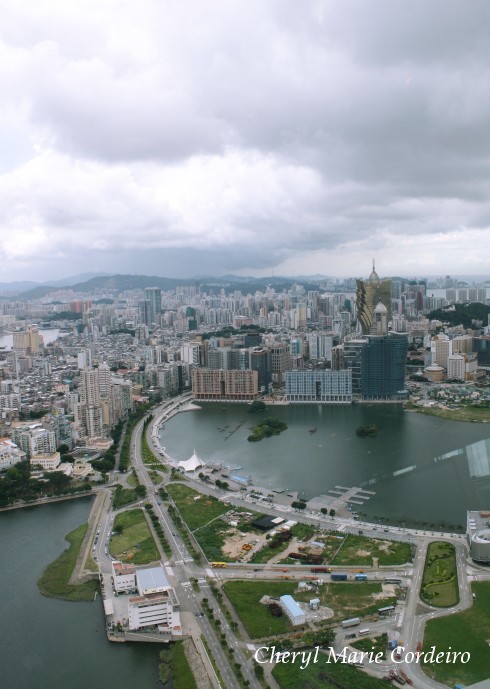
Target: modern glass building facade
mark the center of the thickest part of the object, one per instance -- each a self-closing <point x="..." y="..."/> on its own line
<point x="383" y="361"/>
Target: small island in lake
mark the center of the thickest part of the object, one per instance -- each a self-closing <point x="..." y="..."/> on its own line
<point x="256" y="406"/>
<point x="266" y="428"/>
<point x="371" y="429"/>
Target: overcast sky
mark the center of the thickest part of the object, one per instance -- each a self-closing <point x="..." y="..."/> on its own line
<point x="215" y="136"/>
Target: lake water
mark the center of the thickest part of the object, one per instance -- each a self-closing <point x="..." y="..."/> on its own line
<point x="423" y="469"/>
<point x="47" y="643"/>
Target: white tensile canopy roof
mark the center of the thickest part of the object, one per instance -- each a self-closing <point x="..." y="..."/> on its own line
<point x="191" y="464"/>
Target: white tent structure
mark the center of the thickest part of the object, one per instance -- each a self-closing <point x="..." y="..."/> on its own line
<point x="191" y="464"/>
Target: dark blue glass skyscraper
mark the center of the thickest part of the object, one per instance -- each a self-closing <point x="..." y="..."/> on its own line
<point x="383" y="361"/>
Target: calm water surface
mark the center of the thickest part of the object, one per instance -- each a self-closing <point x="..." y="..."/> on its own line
<point x="51" y="644"/>
<point x="423" y="469"/>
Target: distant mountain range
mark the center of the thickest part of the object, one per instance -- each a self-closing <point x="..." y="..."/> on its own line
<point x="129" y="282"/>
<point x="93" y="282"/>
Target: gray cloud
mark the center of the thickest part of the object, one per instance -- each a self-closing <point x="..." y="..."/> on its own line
<point x="249" y="134"/>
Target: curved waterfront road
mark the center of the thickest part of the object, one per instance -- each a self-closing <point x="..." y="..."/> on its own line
<point x="410" y="621"/>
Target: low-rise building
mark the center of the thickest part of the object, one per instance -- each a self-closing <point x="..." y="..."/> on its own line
<point x="48" y="462"/>
<point x="10" y="454"/>
<point x="293" y="610"/>
<point x="155" y="605"/>
<point x="123" y="577"/>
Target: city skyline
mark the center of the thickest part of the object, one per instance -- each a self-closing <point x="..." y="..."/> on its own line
<point x="249" y="138"/>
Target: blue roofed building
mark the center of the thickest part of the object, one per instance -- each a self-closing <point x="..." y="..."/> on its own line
<point x="293" y="610"/>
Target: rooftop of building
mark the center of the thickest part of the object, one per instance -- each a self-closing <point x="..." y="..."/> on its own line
<point x="121" y="568"/>
<point x="152" y="579"/>
<point x="478" y="524"/>
<point x="293" y="607"/>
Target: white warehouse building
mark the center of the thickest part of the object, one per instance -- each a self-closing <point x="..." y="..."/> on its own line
<point x="292" y="609"/>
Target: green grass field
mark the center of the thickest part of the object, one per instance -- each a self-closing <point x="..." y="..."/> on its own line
<point x="303" y="532"/>
<point x="349" y="599"/>
<point x="468" y="413"/>
<point x="123" y="496"/>
<point x="256" y="618"/>
<point x="148" y="456"/>
<point x="135" y="539"/>
<point x="346" y="600"/>
<point x="211" y="539"/>
<point x="323" y="676"/>
<point x="354" y="548"/>
<point x="175" y="666"/>
<point x="132" y="480"/>
<point x="376" y="644"/>
<point x="440" y="580"/>
<point x="195" y="508"/>
<point x="155" y="477"/>
<point x="54" y="580"/>
<point x="465" y="631"/>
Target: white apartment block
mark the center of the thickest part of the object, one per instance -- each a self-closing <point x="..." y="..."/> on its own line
<point x="441" y="348"/>
<point x="456" y="364"/>
<point x="10" y="454"/>
<point x="33" y="439"/>
<point x="11" y="401"/>
<point x="320" y="386"/>
<point x="320" y="346"/>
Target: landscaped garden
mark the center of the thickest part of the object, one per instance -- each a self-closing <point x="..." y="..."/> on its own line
<point x="440" y="581"/>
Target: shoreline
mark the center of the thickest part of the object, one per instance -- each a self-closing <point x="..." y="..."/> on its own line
<point x="282" y="499"/>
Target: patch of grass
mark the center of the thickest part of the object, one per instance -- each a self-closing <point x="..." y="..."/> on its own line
<point x="324" y="676"/>
<point x="123" y="496"/>
<point x="132" y="480"/>
<point x="135" y="543"/>
<point x="212" y="537"/>
<point x="440" y="580"/>
<point x="303" y="532"/>
<point x="387" y="552"/>
<point x="176" y="666"/>
<point x="91" y="565"/>
<point x="195" y="508"/>
<point x="469" y="413"/>
<point x="465" y="631"/>
<point x="149" y="457"/>
<point x="354" y="599"/>
<point x="155" y="477"/>
<point x="276" y="544"/>
<point x="54" y="580"/>
<point x="376" y="644"/>
<point x="256" y="618"/>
